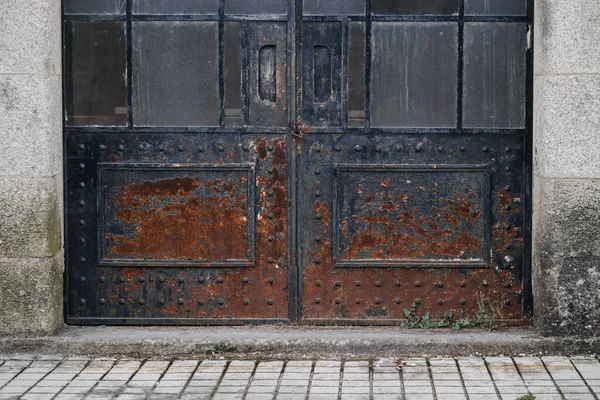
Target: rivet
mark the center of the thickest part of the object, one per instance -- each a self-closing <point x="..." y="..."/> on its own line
<point x="221" y="302"/>
<point x="485" y="284"/>
<point x="508" y="285"/>
<point x="246" y="302"/>
<point x="507" y="188"/>
<point x="270" y="193"/>
<point x="463" y="302"/>
<point x="200" y="148"/>
<point x="418" y="284"/>
<point x="270" y="302"/>
<point x="122" y="279"/>
<point x="377" y="300"/>
<point x="507" y="149"/>
<point x="245" y="279"/>
<point x="507" y="301"/>
<point x="180" y="301"/>
<point x="82" y="184"/>
<point x="102" y="147"/>
<point x="318" y="239"/>
<point x="270" y="238"/>
<point x="507" y="168"/>
<point x="418" y="147"/>
<point x="142" y="279"/>
<point x="318" y="216"/>
<point x="338" y="284"/>
<point x="398" y="148"/>
<point x="200" y="302"/>
<point x="121" y="301"/>
<point x="220" y="147"/>
<point x="121" y="147"/>
<point x="358" y="283"/>
<point x="82" y="260"/>
<point x="141" y="147"/>
<point x="82" y="240"/>
<point x="338" y="147"/>
<point x="397" y="300"/>
<point x="440" y="149"/>
<point x="485" y="149"/>
<point x="162" y="301"/>
<point x="270" y="215"/>
<point x="358" y="148"/>
<point x="440" y="302"/>
<point x="318" y="283"/>
<point x="508" y="227"/>
<point x="82" y="147"/>
<point x="81" y="166"/>
<point x="397" y="283"/>
<point x="201" y="279"/>
<point x="338" y="301"/>
<point x="245" y="147"/>
<point x="270" y="281"/>
<point x="102" y="279"/>
<point x="462" y="148"/>
<point x="180" y="148"/>
<point x="440" y="284"/>
<point x="507" y="207"/>
<point x="378" y="149"/>
<point x="317" y="301"/>
<point x="270" y="170"/>
<point x="161" y="279"/>
<point x="508" y="246"/>
<point x="417" y="301"/>
<point x="142" y="301"/>
<point x="317" y="171"/>
<point x="102" y="301"/>
<point x="220" y="279"/>
<point x="270" y="147"/>
<point x="358" y="301"/>
<point x="270" y="260"/>
<point x="463" y="284"/>
<point x="378" y="283"/>
<point x="318" y="193"/>
<point x="82" y="302"/>
<point x="181" y="280"/>
<point x="82" y="279"/>
<point x="161" y="148"/>
<point x="81" y="203"/>
<point x="318" y="261"/>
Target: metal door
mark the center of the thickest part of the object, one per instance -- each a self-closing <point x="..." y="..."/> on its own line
<point x="240" y="161"/>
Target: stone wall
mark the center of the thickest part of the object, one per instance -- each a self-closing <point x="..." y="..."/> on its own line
<point x="31" y="260"/>
<point x="566" y="218"/>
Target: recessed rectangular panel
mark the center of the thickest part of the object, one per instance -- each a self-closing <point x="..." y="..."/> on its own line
<point x="267" y="72"/>
<point x="175" y="73"/>
<point x="409" y="7"/>
<point x="96" y="93"/>
<point x="494" y="75"/>
<point x="173" y="215"/>
<point x="109" y="7"/>
<point x="249" y="7"/>
<point x="414" y="74"/>
<point x="333" y="7"/>
<point x="495" y="7"/>
<point x="356" y="74"/>
<point x="397" y="215"/>
<point x="175" y="7"/>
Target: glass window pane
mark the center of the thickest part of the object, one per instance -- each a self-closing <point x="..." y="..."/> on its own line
<point x="175" y="73"/>
<point x="256" y="7"/>
<point x="96" y="89"/>
<point x="408" y="7"/>
<point x="333" y="7"/>
<point x="233" y="74"/>
<point x="110" y="7"/>
<point x="496" y="7"/>
<point x="356" y="74"/>
<point x="494" y="75"/>
<point x="175" y="7"/>
<point x="414" y="74"/>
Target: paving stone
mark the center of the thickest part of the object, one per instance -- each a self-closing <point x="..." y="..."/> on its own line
<point x="324" y="389"/>
<point x="293" y="389"/>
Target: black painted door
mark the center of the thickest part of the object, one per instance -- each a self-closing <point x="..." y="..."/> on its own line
<point x="323" y="162"/>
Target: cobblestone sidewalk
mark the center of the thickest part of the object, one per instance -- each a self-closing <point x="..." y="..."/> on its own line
<point x="65" y="378"/>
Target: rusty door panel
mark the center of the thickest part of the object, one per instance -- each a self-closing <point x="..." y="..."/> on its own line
<point x="176" y="228"/>
<point x="392" y="220"/>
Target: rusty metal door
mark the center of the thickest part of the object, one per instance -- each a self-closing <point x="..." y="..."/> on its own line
<point x="238" y="161"/>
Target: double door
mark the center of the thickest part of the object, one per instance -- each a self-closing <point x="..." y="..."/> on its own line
<point x="236" y="161"/>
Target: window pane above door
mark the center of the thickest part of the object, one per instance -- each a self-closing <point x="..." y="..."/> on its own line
<point x="333" y="7"/>
<point x="495" y="7"/>
<point x="409" y="7"/>
<point x="249" y="7"/>
<point x="107" y="7"/>
<point x="175" y="7"/>
<point x="175" y="73"/>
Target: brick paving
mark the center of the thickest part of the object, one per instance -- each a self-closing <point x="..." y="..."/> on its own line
<point x="471" y="378"/>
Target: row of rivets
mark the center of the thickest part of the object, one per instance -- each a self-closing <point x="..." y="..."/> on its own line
<point x="439" y="284"/>
<point x="162" y="279"/>
<point x="399" y="148"/>
<point x="161" y="148"/>
<point x="162" y="302"/>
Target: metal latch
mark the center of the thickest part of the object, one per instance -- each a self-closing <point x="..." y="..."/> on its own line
<point x="298" y="129"/>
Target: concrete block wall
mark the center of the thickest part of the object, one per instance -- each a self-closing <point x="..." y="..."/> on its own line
<point x="31" y="260"/>
<point x="566" y="217"/>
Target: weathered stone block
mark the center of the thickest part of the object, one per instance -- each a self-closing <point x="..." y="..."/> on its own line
<point x="31" y="218"/>
<point x="567" y="35"/>
<point x="567" y="124"/>
<point x="30" y="125"/>
<point x="566" y="256"/>
<point x="31" y="300"/>
<point x="30" y="34"/>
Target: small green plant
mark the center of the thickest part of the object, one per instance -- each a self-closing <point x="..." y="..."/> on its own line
<point x="487" y="314"/>
<point x="414" y="320"/>
<point x="526" y="397"/>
